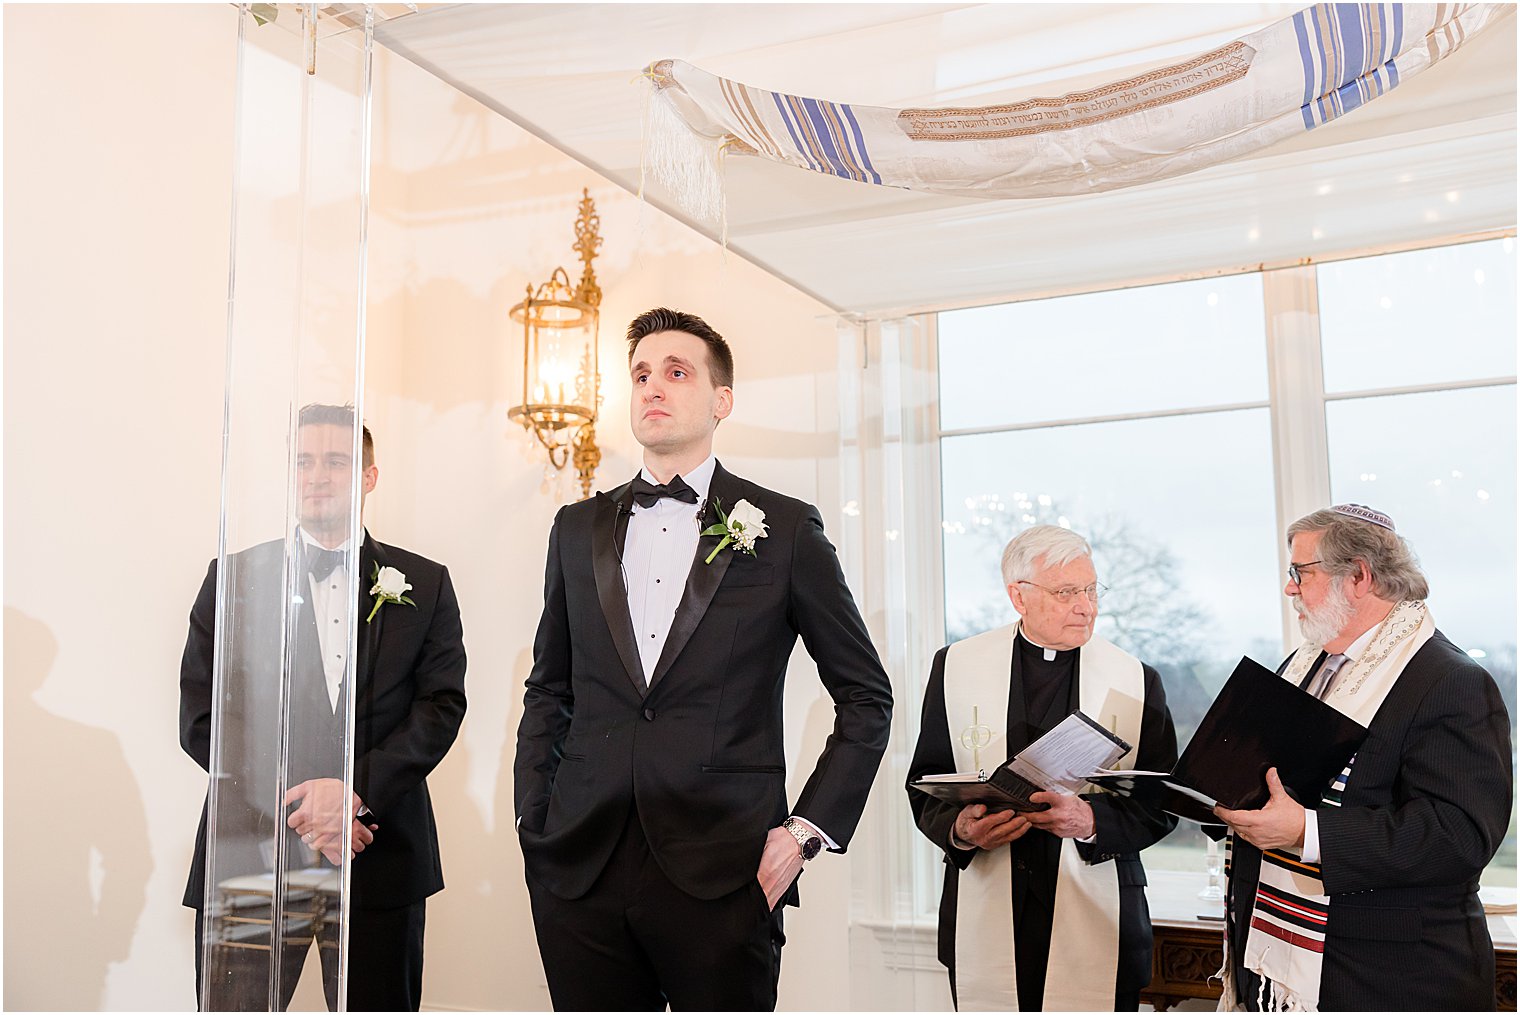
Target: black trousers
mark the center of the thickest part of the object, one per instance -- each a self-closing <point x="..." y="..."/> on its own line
<point x="384" y="964"/>
<point x="636" y="942"/>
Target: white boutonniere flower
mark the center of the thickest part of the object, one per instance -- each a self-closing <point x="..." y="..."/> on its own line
<point x="390" y="587"/>
<point x="740" y="527"/>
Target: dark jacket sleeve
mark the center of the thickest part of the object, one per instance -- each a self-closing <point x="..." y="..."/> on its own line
<point x="935" y="754"/>
<point x="1452" y="796"/>
<point x="1125" y="825"/>
<point x="823" y="612"/>
<point x="548" y="702"/>
<point x="195" y="675"/>
<point x="398" y="763"/>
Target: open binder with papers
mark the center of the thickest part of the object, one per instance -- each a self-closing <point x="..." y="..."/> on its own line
<point x="1258" y="721"/>
<point x="1060" y="762"/>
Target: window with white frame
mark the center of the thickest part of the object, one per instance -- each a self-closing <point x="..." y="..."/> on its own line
<point x="1145" y="418"/>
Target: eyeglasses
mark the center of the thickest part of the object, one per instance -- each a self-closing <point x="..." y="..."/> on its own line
<point x="1296" y="571"/>
<point x="1093" y="592"/>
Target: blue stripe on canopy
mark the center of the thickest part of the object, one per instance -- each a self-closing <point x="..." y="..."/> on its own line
<point x="786" y="118"/>
<point x="860" y="142"/>
<point x="1353" y="38"/>
<point x="1301" y="30"/>
<point x="824" y="131"/>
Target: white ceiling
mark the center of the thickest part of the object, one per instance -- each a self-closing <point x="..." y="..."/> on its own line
<point x="1435" y="158"/>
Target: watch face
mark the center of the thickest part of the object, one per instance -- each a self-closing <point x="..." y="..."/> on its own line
<point x="812" y="847"/>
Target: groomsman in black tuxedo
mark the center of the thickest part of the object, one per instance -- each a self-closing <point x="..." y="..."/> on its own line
<point x="410" y="686"/>
<point x="651" y="771"/>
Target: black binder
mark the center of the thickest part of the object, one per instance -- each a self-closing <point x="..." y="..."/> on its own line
<point x="1258" y="721"/>
<point x="1002" y="791"/>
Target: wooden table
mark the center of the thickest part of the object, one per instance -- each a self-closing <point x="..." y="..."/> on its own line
<point x="1189" y="950"/>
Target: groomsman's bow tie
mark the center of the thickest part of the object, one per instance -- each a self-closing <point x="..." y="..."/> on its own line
<point x="647" y="494"/>
<point x="321" y="563"/>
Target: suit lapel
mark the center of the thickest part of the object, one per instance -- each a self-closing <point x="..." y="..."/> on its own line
<point x="371" y="555"/>
<point x="308" y="653"/>
<point x="606" y="557"/>
<point x="1313" y="670"/>
<point x="307" y="709"/>
<point x="703" y="579"/>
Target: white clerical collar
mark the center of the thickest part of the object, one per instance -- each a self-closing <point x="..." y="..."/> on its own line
<point x="312" y="543"/>
<point x="1049" y="653"/>
<point x="699" y="479"/>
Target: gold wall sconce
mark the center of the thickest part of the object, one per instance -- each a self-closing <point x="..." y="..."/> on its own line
<point x="562" y="384"/>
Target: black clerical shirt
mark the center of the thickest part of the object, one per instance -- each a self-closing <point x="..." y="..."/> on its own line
<point x="1047" y="685"/>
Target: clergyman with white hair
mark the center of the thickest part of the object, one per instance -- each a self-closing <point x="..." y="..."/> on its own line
<point x="1043" y="911"/>
<point x="1367" y="898"/>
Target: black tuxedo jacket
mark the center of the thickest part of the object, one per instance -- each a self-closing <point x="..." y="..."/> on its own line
<point x="1424" y="811"/>
<point x="410" y="680"/>
<point x="1123" y="826"/>
<point x="701" y="753"/>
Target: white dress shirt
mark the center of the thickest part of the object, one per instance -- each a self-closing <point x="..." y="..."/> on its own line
<point x="657" y="556"/>
<point x="1353" y="652"/>
<point x="329" y="602"/>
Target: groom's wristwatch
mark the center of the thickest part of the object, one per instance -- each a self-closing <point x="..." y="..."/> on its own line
<point x="807" y="840"/>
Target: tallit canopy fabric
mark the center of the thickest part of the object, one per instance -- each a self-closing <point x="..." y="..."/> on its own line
<point x="1288" y="78"/>
<point x="1431" y="160"/>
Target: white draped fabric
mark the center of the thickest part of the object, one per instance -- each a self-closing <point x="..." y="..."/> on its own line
<point x="1082" y="968"/>
<point x="1286" y="79"/>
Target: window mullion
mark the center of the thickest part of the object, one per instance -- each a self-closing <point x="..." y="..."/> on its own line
<point x="1296" y="387"/>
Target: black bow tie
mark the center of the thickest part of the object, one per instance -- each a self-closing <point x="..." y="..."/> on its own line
<point x="320" y="563"/>
<point x="648" y="495"/>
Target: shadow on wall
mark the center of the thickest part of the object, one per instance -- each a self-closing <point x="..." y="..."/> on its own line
<point x="76" y="840"/>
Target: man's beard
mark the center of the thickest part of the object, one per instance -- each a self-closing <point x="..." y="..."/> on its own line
<point x="1325" y="622"/>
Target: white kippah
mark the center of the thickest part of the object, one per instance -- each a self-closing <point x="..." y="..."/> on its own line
<point x="1363" y="513"/>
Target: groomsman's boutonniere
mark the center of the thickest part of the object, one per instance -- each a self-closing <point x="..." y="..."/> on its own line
<point x="390" y="584"/>
<point x="741" y="527"/>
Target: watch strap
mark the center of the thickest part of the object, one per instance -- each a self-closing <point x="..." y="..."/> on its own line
<point x="808" y="841"/>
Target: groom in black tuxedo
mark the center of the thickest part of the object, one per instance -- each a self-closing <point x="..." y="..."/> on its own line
<point x="651" y="771"/>
<point x="410" y="686"/>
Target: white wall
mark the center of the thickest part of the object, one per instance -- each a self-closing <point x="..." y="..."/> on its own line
<point x="119" y="148"/>
<point x="118" y="152"/>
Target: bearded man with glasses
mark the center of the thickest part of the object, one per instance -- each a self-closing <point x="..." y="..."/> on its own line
<point x="1043" y="911"/>
<point x="1367" y="897"/>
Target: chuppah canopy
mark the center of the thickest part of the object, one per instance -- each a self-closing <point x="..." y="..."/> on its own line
<point x="1430" y="160"/>
<point x="1290" y="77"/>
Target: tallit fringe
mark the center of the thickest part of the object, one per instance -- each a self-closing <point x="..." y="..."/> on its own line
<point x="1278" y="998"/>
<point x="1270" y="995"/>
<point x="1226" y="977"/>
<point x="684" y="161"/>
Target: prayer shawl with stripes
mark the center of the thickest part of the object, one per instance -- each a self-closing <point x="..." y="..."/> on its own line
<point x="1286" y="942"/>
<point x="1285" y="79"/>
<point x="1084" y="934"/>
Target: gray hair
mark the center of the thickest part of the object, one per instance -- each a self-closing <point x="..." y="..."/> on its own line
<point x="1343" y="541"/>
<point x="1054" y="544"/>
